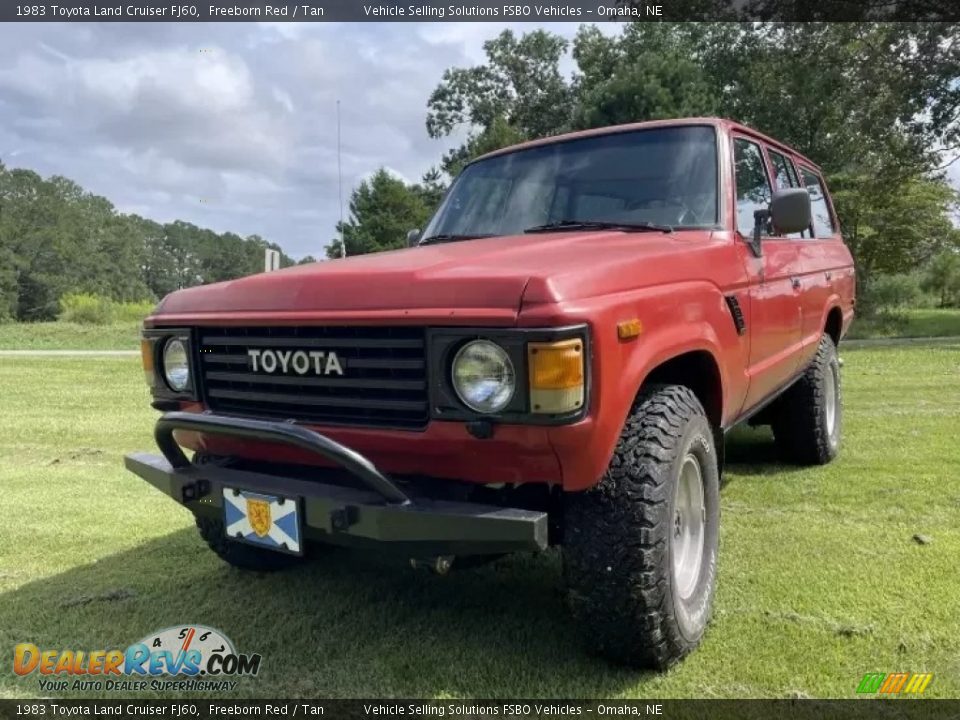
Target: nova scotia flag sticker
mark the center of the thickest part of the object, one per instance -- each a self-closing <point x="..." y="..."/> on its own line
<point x="265" y="520"/>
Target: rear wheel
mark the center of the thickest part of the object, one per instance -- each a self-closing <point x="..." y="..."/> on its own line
<point x="807" y="418"/>
<point x="640" y="548"/>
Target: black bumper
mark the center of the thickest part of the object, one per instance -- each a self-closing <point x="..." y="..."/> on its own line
<point x="377" y="513"/>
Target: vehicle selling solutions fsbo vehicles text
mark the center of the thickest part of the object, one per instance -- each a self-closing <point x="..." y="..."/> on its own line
<point x="453" y="11"/>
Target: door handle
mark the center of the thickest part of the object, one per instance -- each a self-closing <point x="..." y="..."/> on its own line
<point x="829" y="275"/>
<point x="795" y="281"/>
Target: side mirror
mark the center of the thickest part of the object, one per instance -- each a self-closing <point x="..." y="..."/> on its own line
<point x="790" y="210"/>
<point x="413" y="237"/>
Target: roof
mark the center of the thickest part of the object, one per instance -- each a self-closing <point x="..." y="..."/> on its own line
<point x="720" y="123"/>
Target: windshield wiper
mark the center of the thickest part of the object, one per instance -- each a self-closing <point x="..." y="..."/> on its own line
<point x="446" y="237"/>
<point x="562" y="225"/>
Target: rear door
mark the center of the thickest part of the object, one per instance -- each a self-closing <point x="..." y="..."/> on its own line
<point x="774" y="298"/>
<point x="823" y="258"/>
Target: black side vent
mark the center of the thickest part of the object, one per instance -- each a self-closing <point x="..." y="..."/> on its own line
<point x="737" y="314"/>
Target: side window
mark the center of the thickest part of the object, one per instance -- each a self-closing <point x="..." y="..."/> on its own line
<point x="784" y="174"/>
<point x="753" y="187"/>
<point x="822" y="222"/>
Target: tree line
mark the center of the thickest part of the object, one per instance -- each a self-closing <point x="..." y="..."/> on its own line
<point x="876" y="105"/>
<point x="58" y="240"/>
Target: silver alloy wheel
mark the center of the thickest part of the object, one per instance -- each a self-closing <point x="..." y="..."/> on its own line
<point x="689" y="520"/>
<point x="830" y="398"/>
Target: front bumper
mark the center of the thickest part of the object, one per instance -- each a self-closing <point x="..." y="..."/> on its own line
<point x="374" y="513"/>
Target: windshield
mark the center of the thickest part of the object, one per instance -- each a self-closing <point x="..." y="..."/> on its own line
<point x="663" y="176"/>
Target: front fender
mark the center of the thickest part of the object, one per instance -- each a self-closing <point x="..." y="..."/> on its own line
<point x="676" y="319"/>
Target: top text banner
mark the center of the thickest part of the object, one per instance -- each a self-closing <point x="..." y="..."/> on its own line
<point x="475" y="10"/>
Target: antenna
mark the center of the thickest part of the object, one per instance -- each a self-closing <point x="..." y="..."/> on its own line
<point x="343" y="245"/>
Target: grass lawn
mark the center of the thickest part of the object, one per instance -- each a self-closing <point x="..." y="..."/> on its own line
<point x="918" y="323"/>
<point x="69" y="336"/>
<point x="820" y="580"/>
<point x="126" y="336"/>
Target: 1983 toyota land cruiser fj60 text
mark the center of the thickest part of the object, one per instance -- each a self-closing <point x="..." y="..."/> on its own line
<point x="555" y="361"/>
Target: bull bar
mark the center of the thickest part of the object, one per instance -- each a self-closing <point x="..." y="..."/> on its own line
<point x="378" y="514"/>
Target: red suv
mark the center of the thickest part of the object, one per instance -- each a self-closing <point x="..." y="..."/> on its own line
<point x="554" y="361"/>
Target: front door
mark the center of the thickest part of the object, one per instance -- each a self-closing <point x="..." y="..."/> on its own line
<point x="774" y="295"/>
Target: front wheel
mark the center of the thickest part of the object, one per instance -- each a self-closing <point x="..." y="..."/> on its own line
<point x="640" y="548"/>
<point x="245" y="557"/>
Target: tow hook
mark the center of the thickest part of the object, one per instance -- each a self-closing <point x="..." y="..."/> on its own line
<point x="439" y="565"/>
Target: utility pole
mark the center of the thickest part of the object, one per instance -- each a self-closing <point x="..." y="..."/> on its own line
<point x="343" y="245"/>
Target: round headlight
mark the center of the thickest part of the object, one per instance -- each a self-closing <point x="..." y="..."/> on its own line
<point x="483" y="376"/>
<point x="176" y="368"/>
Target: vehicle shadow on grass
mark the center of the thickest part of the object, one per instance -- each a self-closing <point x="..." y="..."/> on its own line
<point x="751" y="452"/>
<point x="345" y="624"/>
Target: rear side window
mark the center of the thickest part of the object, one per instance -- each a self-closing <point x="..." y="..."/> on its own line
<point x="753" y="186"/>
<point x="822" y="222"/>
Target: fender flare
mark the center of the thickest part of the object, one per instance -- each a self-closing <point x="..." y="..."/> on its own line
<point x="667" y="345"/>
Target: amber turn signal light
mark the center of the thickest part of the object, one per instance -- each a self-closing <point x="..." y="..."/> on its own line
<point x="146" y="357"/>
<point x="556" y="376"/>
<point x="629" y="329"/>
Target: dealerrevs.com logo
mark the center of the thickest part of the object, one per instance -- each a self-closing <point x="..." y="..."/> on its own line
<point x="179" y="658"/>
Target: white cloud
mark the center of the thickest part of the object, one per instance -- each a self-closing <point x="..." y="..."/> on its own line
<point x="197" y="82"/>
<point x="393" y="173"/>
<point x="283" y="97"/>
<point x="233" y="125"/>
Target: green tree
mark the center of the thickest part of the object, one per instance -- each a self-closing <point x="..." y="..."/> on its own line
<point x="943" y="277"/>
<point x="877" y="105"/>
<point x="893" y="228"/>
<point x="431" y="188"/>
<point x="382" y="210"/>
<point x="157" y="269"/>
<point x="519" y="93"/>
<point x="875" y="95"/>
<point x="8" y="260"/>
<point x="226" y="256"/>
<point x="45" y="231"/>
<point x="498" y="134"/>
<point x="57" y="239"/>
<point x="645" y="74"/>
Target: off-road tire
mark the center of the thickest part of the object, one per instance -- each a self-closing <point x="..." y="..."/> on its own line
<point x="618" y="536"/>
<point x="240" y="555"/>
<point x="801" y="416"/>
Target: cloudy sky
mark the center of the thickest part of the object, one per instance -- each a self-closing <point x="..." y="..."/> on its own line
<point x="228" y="126"/>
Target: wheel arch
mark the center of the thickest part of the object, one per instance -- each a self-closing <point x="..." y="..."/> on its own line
<point x="833" y="325"/>
<point x="697" y="370"/>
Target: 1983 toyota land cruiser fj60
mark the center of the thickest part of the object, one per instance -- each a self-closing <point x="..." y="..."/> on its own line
<point x="554" y="361"/>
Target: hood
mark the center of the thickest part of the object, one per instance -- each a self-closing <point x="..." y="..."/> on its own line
<point x="496" y="274"/>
